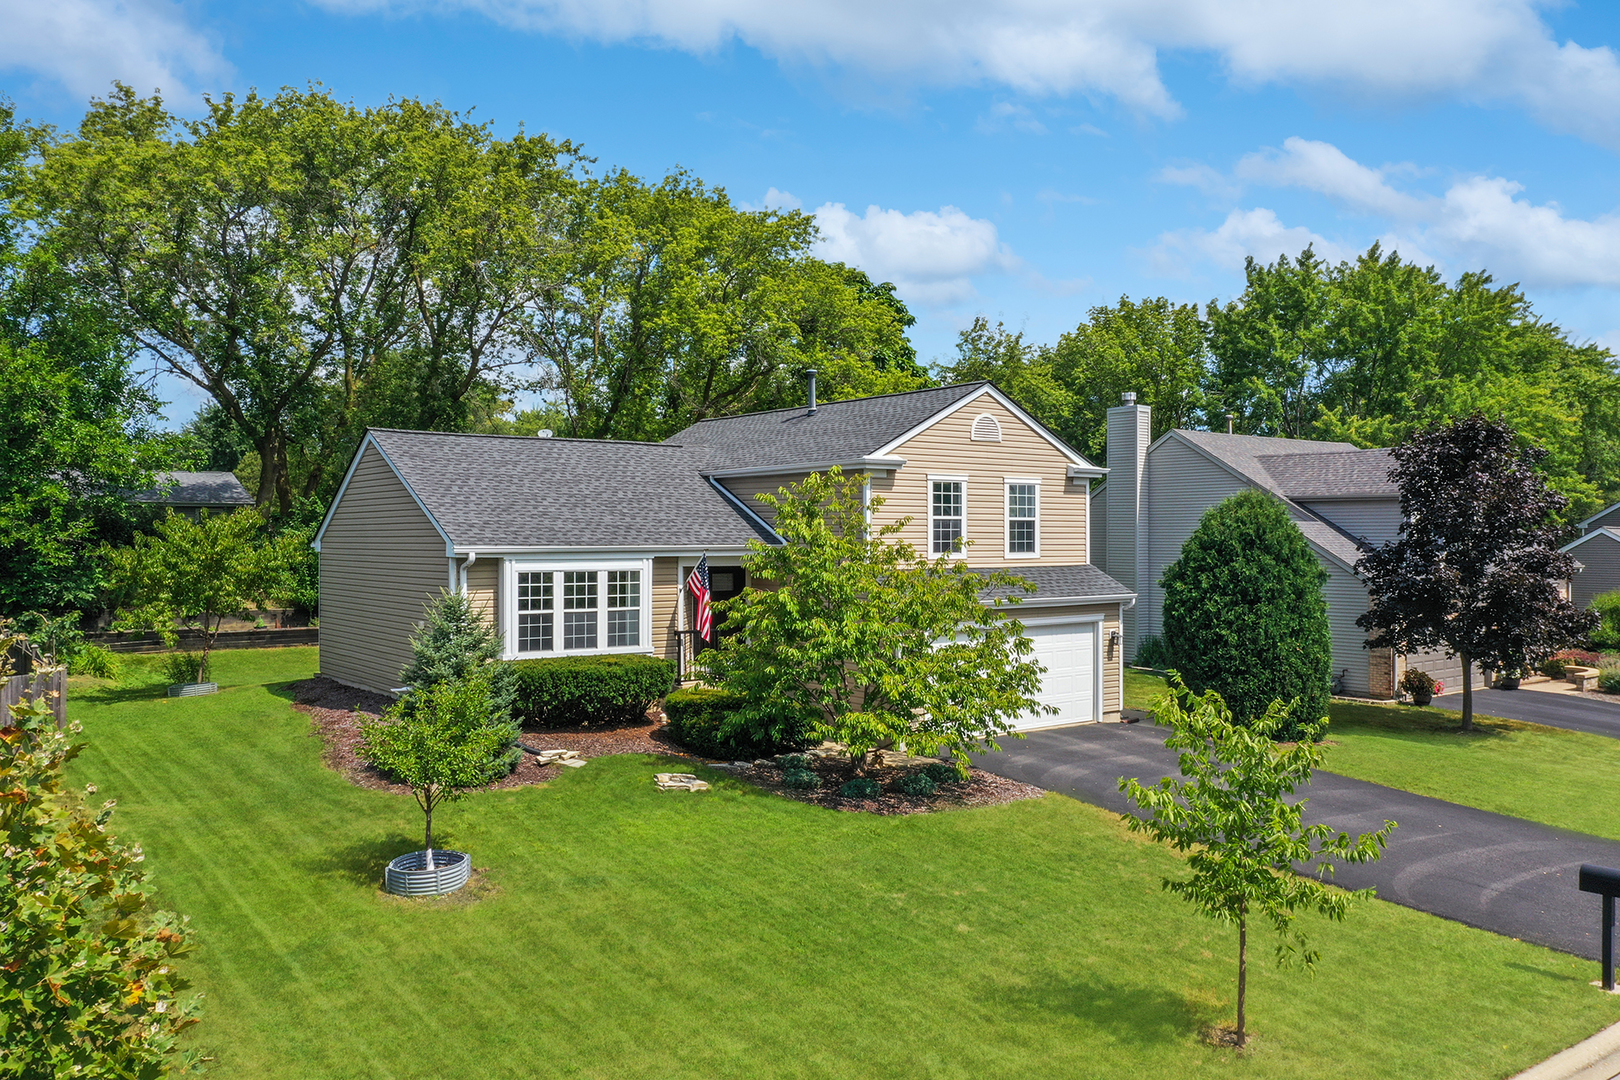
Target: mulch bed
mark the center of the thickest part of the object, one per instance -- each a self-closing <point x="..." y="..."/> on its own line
<point x="335" y="710"/>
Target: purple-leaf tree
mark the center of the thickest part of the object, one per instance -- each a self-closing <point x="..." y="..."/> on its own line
<point x="1476" y="570"/>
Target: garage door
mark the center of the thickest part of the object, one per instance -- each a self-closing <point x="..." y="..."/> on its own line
<point x="1069" y="653"/>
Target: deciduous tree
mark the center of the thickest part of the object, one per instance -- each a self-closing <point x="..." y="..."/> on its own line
<point x="866" y="642"/>
<point x="1476" y="568"/>
<point x="1243" y="838"/>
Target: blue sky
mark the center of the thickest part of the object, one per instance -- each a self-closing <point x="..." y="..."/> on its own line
<point x="1025" y="159"/>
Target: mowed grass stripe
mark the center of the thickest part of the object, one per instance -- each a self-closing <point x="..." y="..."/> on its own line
<point x="624" y="933"/>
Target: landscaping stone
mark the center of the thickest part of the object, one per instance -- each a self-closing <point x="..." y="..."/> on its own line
<point x="679" y="781"/>
<point x="560" y="757"/>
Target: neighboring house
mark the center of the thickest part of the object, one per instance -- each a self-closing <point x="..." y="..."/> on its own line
<point x="189" y="492"/>
<point x="1597" y="556"/>
<point x="1339" y="496"/>
<point x="579" y="546"/>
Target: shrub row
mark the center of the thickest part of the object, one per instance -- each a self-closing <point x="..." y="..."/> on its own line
<point x="575" y="691"/>
<point x="702" y="719"/>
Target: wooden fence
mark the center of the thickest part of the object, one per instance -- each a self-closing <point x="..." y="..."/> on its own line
<point x="29" y="687"/>
<point x="191" y="640"/>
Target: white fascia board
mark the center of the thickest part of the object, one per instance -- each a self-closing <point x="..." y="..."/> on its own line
<point x="1594" y="517"/>
<point x="1612" y="534"/>
<point x="871" y="461"/>
<point x="745" y="508"/>
<point x="646" y="551"/>
<point x="371" y="440"/>
<point x="988" y="390"/>
<point x="1063" y="601"/>
<point x="1087" y="472"/>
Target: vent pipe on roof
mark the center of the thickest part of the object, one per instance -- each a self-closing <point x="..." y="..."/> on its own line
<point x="1229" y="418"/>
<point x="811" y="375"/>
<point x="1128" y="398"/>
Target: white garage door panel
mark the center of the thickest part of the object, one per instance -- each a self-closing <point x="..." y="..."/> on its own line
<point x="1069" y="653"/>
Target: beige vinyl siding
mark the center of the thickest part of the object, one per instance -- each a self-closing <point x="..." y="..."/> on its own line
<point x="1180" y="485"/>
<point x="1377" y="521"/>
<point x="484" y="588"/>
<point x="666" y="606"/>
<point x="1600" y="558"/>
<point x="746" y="487"/>
<point x="947" y="449"/>
<point x="1113" y="689"/>
<point x="381" y="562"/>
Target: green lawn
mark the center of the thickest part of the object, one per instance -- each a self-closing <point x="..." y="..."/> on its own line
<point x="621" y="932"/>
<point x="1558" y="777"/>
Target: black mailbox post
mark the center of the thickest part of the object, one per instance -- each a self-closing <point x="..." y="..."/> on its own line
<point x="1604" y="881"/>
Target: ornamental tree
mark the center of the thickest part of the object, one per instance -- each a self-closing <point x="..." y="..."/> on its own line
<point x="1475" y="571"/>
<point x="863" y="641"/>
<point x="195" y="573"/>
<point x="438" y="741"/>
<point x="1244" y="838"/>
<point x="452" y="641"/>
<point x="89" y="984"/>
<point x="1244" y="614"/>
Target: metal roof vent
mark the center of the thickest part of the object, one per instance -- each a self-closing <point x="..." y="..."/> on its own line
<point x="986" y="428"/>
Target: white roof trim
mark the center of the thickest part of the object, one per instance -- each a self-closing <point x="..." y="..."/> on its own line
<point x="1607" y="509"/>
<point x="598" y="551"/>
<point x="1065" y="601"/>
<point x="371" y="440"/>
<point x="744" y="507"/>
<point x="871" y="461"/>
<point x="1033" y="424"/>
<point x="1612" y="534"/>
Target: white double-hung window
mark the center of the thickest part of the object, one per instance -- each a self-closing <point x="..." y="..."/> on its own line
<point x="947" y="514"/>
<point x="1023" y="518"/>
<point x="578" y="609"/>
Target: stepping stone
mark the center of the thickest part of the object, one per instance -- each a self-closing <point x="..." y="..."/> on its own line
<point x="679" y="782"/>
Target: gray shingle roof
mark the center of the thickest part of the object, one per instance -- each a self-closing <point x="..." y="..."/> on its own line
<point x="196" y="489"/>
<point x="1247" y="454"/>
<point x="506" y="492"/>
<point x="1338" y="475"/>
<point x="839" y="431"/>
<point x="1078" y="581"/>
<point x="1331" y="540"/>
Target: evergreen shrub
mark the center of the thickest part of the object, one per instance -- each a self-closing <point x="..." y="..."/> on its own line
<point x="800" y="779"/>
<point x="944" y="772"/>
<point x="1609" y="680"/>
<point x="862" y="787"/>
<point x="453" y="643"/>
<point x="1244" y="614"/>
<point x="708" y="721"/>
<point x="918" y="784"/>
<point x="1607" y="605"/>
<point x="1151" y="653"/>
<point x="581" y="691"/>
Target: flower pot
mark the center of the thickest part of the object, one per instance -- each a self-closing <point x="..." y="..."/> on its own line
<point x="408" y="876"/>
<point x="1421" y="698"/>
<point x="1507" y="682"/>
<point x="192" y="689"/>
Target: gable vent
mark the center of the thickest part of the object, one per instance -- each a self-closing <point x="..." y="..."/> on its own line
<point x="986" y="429"/>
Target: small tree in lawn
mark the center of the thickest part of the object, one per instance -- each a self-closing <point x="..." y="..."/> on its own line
<point x="1475" y="571"/>
<point x="866" y="642"/>
<point x="452" y="641"/>
<point x="1245" y="839"/>
<point x="1244" y="614"/>
<point x="438" y="741"/>
<point x="195" y="573"/>
<point x="89" y="984"/>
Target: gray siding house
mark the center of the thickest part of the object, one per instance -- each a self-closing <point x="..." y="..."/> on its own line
<point x="1340" y="496"/>
<point x="1597" y="556"/>
<point x="582" y="546"/>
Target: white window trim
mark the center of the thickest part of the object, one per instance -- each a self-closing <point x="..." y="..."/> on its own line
<point x="928" y="541"/>
<point x="1006" y="509"/>
<point x="508" y="605"/>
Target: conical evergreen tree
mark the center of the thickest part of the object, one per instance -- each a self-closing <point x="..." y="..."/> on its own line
<point x="451" y="641"/>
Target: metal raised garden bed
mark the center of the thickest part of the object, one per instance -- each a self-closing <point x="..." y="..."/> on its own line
<point x="406" y="875"/>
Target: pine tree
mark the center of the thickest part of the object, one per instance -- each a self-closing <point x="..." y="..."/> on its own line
<point x="451" y="642"/>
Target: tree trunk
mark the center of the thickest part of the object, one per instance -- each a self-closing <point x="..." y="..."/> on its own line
<point x="1243" y="972"/>
<point x="1468" y="692"/>
<point x="270" y="456"/>
<point x="208" y="641"/>
<point x="427" y="837"/>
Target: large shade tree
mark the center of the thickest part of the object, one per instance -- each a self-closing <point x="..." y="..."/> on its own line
<point x="1476" y="569"/>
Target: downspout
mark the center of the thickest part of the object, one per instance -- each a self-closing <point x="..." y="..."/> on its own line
<point x="472" y="557"/>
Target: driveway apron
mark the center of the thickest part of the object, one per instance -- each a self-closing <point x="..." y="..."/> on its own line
<point x="1573" y="711"/>
<point x="1498" y="873"/>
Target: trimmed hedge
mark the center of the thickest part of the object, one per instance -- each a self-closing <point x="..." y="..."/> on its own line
<point x="700" y="719"/>
<point x="575" y="691"/>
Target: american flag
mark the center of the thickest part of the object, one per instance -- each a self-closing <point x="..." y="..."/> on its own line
<point x="698" y="585"/>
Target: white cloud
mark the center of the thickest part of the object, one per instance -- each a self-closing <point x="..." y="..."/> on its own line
<point x="1210" y="181"/>
<point x="931" y="256"/>
<point x="1004" y="114"/>
<point x="1244" y="233"/>
<point x="773" y="200"/>
<point x="1482" y="51"/>
<point x="1477" y="222"/>
<point x="86" y="44"/>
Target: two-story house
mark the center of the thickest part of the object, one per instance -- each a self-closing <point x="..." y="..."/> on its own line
<point x="581" y="546"/>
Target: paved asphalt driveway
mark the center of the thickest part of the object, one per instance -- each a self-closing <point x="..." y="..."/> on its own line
<point x="1499" y="873"/>
<point x="1574" y="711"/>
